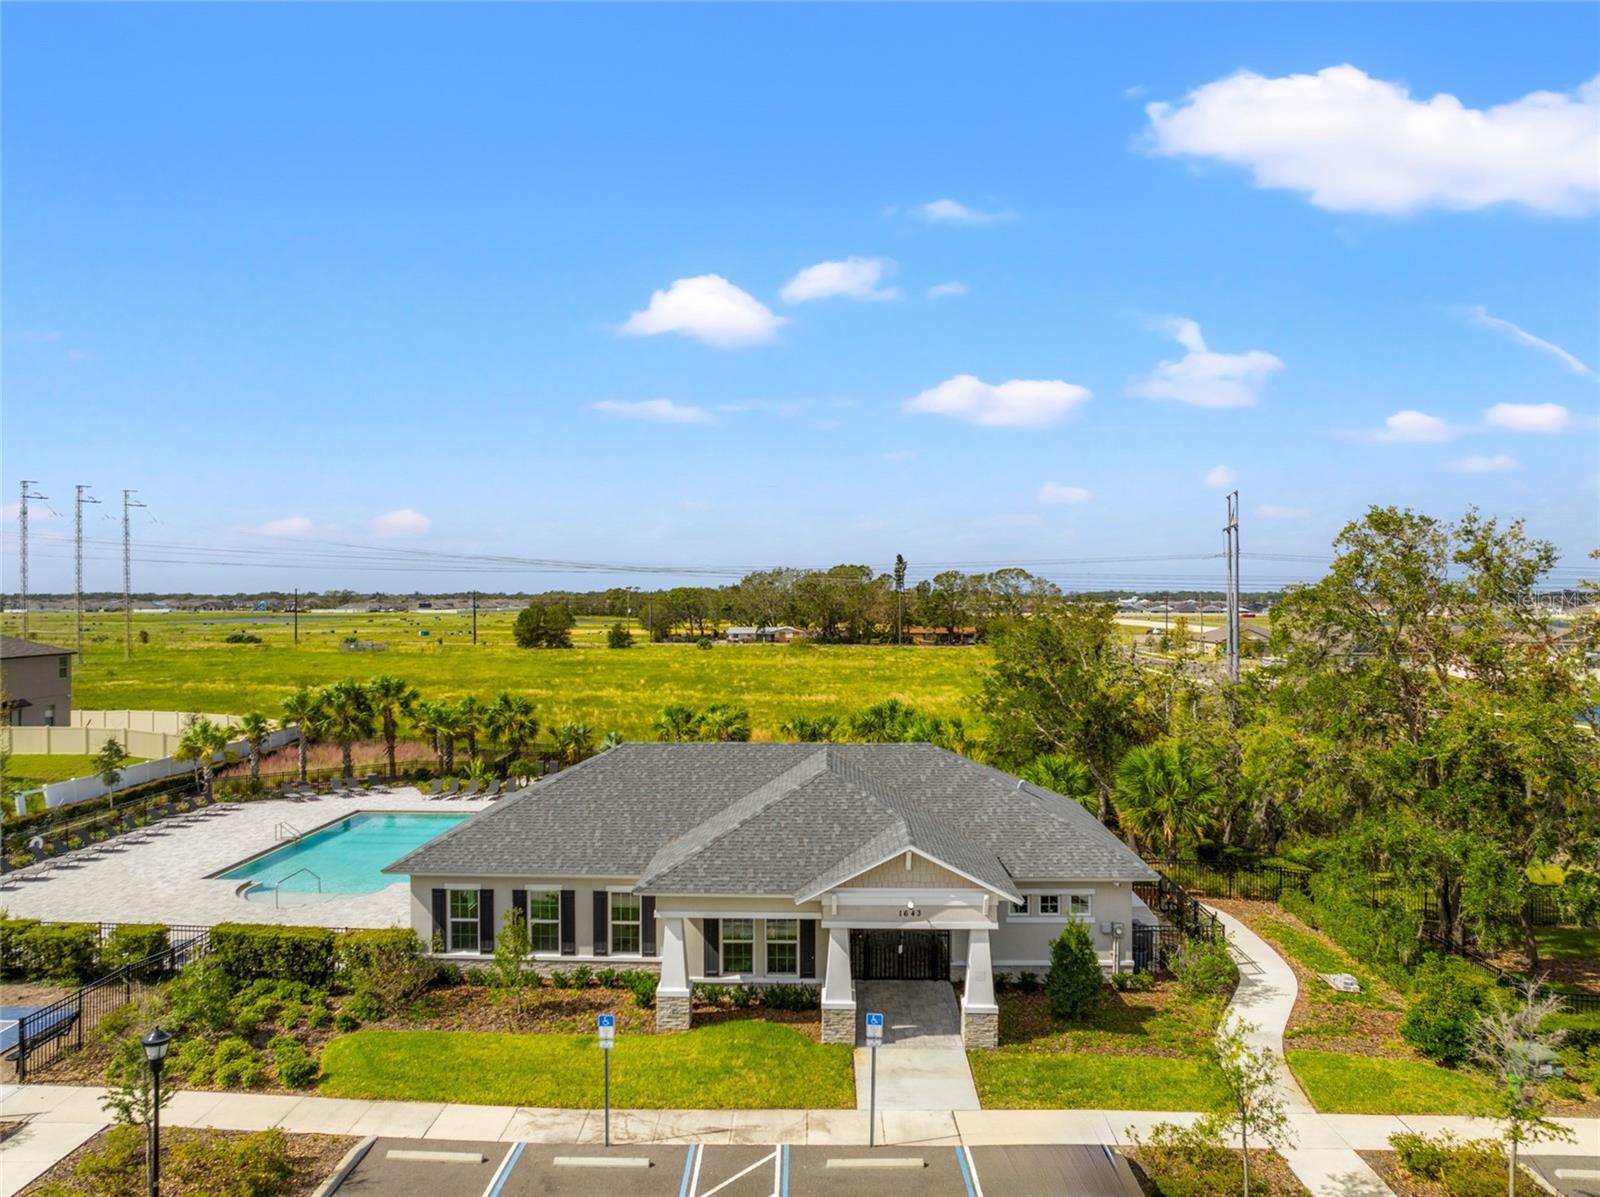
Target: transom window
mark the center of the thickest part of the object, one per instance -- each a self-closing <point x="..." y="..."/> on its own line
<point x="625" y="924"/>
<point x="1049" y="903"/>
<point x="544" y="920"/>
<point x="463" y="930"/>
<point x="738" y="945"/>
<point x="783" y="946"/>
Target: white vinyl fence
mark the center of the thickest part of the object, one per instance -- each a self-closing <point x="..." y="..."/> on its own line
<point x="148" y="734"/>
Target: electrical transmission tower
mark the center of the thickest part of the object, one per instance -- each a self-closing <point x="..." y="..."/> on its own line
<point x="128" y="502"/>
<point x="77" y="559"/>
<point x="22" y="545"/>
<point x="1231" y="531"/>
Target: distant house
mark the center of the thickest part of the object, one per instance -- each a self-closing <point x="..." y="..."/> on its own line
<point x="782" y="634"/>
<point x="35" y="683"/>
<point x="922" y="635"/>
<point x="1250" y="635"/>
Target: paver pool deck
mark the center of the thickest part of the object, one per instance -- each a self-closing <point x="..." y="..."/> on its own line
<point x="166" y="878"/>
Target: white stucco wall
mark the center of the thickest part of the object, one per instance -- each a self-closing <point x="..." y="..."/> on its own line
<point x="1024" y="943"/>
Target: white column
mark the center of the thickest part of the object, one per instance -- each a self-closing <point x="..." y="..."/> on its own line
<point x="674" y="960"/>
<point x="978" y="995"/>
<point x="838" y="989"/>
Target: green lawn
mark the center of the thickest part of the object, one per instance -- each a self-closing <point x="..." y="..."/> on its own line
<point x="1017" y="1080"/>
<point x="1319" y="955"/>
<point x="732" y="1065"/>
<point x="186" y="666"/>
<point x="1568" y="943"/>
<point x="1345" y="1084"/>
<point x="26" y="769"/>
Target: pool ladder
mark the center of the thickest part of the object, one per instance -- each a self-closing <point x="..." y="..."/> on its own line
<point x="296" y="873"/>
<point x="285" y="831"/>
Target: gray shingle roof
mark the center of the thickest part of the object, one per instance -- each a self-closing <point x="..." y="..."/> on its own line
<point x="11" y="647"/>
<point x="790" y="819"/>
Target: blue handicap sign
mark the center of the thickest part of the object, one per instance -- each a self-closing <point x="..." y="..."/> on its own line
<point x="608" y="1020"/>
<point x="873" y="1020"/>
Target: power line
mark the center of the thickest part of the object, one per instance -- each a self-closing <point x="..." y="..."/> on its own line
<point x="77" y="522"/>
<point x="22" y="539"/>
<point x="128" y="502"/>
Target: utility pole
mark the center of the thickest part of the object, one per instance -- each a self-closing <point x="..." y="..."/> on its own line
<point x="899" y="596"/>
<point x="1231" y="531"/>
<point x="22" y="544"/>
<point x="297" y="615"/>
<point x="128" y="502"/>
<point x="474" y="618"/>
<point x="77" y="560"/>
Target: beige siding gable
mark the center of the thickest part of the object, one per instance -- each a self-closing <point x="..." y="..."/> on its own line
<point x="893" y="874"/>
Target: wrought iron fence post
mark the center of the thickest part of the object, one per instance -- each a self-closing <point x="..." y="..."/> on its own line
<point x="22" y="1050"/>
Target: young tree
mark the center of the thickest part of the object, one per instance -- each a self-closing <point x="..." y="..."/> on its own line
<point x="392" y="699"/>
<point x="303" y="711"/>
<point x="1255" y="1103"/>
<point x="512" y="947"/>
<point x="1073" y="984"/>
<point x="129" y="1096"/>
<point x="254" y="728"/>
<point x="1513" y="1044"/>
<point x="1164" y="793"/>
<point x="107" y="765"/>
<point x="201" y="741"/>
<point x="346" y="717"/>
<point x="540" y="626"/>
<point x="618" y="636"/>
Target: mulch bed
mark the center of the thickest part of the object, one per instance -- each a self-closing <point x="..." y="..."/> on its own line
<point x="1387" y="1165"/>
<point x="315" y="1157"/>
<point x="1579" y="974"/>
<point x="1270" y="1176"/>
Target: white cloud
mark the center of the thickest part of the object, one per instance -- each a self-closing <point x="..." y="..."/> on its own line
<point x="1497" y="464"/>
<point x="853" y="278"/>
<point x="940" y="290"/>
<point x="709" y="308"/>
<point x="1218" y="476"/>
<point x="658" y="411"/>
<point x="1055" y="492"/>
<point x="404" y="522"/>
<point x="1276" y="511"/>
<point x="1482" y="319"/>
<point x="1204" y="378"/>
<point x="1529" y="417"/>
<point x="900" y="455"/>
<point x="949" y="211"/>
<point x="293" y="525"/>
<point x="1413" y="428"/>
<point x="1020" y="403"/>
<point x="1353" y="143"/>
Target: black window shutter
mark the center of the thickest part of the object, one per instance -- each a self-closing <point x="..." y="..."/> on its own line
<point x="519" y="903"/>
<point x="602" y="923"/>
<point x="647" y="925"/>
<point x="438" y="919"/>
<point x="713" y="937"/>
<point x="808" y="947"/>
<point x="486" y="920"/>
<point x="569" y="922"/>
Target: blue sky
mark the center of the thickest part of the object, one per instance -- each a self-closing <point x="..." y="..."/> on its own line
<point x="384" y="275"/>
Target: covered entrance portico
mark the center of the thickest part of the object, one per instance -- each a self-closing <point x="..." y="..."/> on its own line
<point x="900" y="954"/>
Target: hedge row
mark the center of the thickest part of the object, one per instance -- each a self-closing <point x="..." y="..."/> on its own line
<point x="314" y="956"/>
<point x="72" y="953"/>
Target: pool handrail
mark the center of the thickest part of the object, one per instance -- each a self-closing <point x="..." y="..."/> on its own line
<point x="287" y="876"/>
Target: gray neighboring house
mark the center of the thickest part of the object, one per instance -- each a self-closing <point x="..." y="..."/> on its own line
<point x="801" y="863"/>
<point x="36" y="683"/>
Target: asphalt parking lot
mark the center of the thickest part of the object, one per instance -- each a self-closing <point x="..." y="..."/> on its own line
<point x="465" y="1169"/>
<point x="1569" y="1175"/>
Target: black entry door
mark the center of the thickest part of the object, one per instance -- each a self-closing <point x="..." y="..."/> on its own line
<point x="900" y="955"/>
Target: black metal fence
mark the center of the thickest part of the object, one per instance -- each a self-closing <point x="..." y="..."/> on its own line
<point x="40" y="1038"/>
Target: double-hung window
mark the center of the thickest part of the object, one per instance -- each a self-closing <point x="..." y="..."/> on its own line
<point x="463" y="929"/>
<point x="783" y="946"/>
<point x="1049" y="905"/>
<point x="1081" y="906"/>
<point x="625" y="924"/>
<point x="738" y="945"/>
<point x="544" y="920"/>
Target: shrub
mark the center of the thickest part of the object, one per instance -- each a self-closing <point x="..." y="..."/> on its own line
<point x="1204" y="968"/>
<point x="582" y="977"/>
<point x="791" y="997"/>
<point x="1446" y="1004"/>
<point x="1028" y="982"/>
<point x="1472" y="1168"/>
<point x="12" y="932"/>
<point x="609" y="978"/>
<point x="66" y="953"/>
<point x="202" y="996"/>
<point x="241" y="638"/>
<point x="219" y="1165"/>
<point x="711" y="995"/>
<point x="1583" y="1030"/>
<point x="247" y="952"/>
<point x="742" y="996"/>
<point x="131" y="943"/>
<point x="296" y="1068"/>
<point x="1136" y="982"/>
<point x="235" y="1064"/>
<point x="345" y="1022"/>
<point x="560" y="979"/>
<point x="643" y="985"/>
<point x="364" y="1006"/>
<point x="117" y="1168"/>
<point x="1186" y="1162"/>
<point x="618" y="636"/>
<point x="1073" y="984"/>
<point x="1384" y="934"/>
<point x="476" y="975"/>
<point x="360" y="955"/>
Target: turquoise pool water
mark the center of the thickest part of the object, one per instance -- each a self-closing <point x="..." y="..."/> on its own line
<point x="345" y="858"/>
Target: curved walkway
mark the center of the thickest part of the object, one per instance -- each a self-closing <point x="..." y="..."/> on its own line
<point x="1265" y="998"/>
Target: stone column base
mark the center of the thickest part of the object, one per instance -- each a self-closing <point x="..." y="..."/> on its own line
<point x="839" y="1024"/>
<point x="980" y="1028"/>
<point x="672" y="1012"/>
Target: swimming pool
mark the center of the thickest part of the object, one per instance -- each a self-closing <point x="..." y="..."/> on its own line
<point x="346" y="857"/>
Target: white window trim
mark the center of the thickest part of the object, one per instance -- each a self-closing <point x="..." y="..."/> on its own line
<point x="476" y="953"/>
<point x="544" y="889"/>
<point x="611" y="923"/>
<point x="1064" y="916"/>
<point x="753" y="941"/>
<point x="767" y="941"/>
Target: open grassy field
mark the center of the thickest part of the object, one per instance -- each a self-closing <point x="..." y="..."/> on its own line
<point x="187" y="666"/>
<point x="34" y="770"/>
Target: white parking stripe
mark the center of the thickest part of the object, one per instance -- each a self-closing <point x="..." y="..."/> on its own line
<point x="741" y="1174"/>
<point x="972" y="1172"/>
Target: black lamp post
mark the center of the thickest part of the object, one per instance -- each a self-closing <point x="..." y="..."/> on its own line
<point x="155" y="1050"/>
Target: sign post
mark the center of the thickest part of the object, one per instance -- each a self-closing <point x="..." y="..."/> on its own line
<point x="608" y="1038"/>
<point x="874" y="1038"/>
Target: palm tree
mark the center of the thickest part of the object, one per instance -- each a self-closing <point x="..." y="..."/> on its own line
<point x="1165" y="792"/>
<point x="254" y="728"/>
<point x="425" y="717"/>
<point x="346" y="717"/>
<point x="677" y="723"/>
<point x="302" y="710"/>
<point x="470" y="714"/>
<point x="512" y="723"/>
<point x="573" y="742"/>
<point x="447" y="727"/>
<point x="201" y="742"/>
<point x="391" y="698"/>
<point x="1067" y="777"/>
